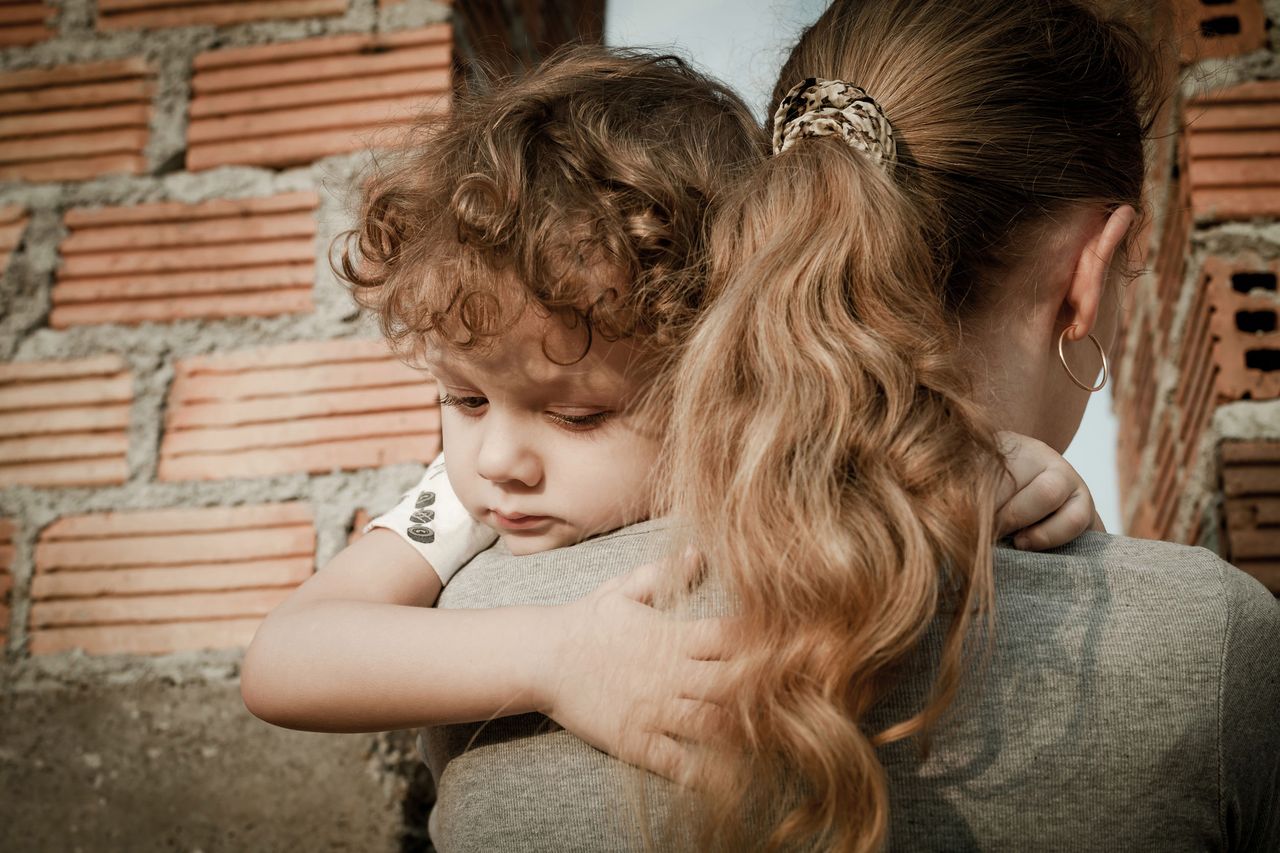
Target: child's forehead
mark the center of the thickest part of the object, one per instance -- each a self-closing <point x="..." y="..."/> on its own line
<point x="540" y="351"/>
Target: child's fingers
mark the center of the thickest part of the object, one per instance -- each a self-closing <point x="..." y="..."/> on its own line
<point x="659" y="753"/>
<point x="709" y="639"/>
<point x="1072" y="518"/>
<point x="641" y="582"/>
<point x="707" y="680"/>
<point x="695" y="720"/>
<point x="1037" y="500"/>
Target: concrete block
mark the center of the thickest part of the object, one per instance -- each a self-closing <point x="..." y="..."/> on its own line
<point x="168" y="261"/>
<point x="63" y="423"/>
<point x="45" y="135"/>
<point x="293" y="104"/>
<point x="311" y="406"/>
<point x="155" y="582"/>
<point x="162" y="14"/>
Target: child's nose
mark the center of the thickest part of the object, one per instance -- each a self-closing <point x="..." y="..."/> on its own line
<point x="505" y="456"/>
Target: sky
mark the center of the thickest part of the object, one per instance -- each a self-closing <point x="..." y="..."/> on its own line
<point x="743" y="42"/>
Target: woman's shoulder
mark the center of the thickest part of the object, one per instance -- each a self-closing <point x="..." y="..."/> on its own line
<point x="1139" y="588"/>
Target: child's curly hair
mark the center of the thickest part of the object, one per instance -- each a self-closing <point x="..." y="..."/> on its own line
<point x="583" y="188"/>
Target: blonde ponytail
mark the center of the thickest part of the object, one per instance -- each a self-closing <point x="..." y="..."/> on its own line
<point x="824" y="449"/>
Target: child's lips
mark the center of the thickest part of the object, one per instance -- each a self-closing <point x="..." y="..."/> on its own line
<point x="518" y="521"/>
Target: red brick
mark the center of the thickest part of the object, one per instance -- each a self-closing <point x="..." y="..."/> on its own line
<point x="1233" y="136"/>
<point x="235" y="92"/>
<point x="175" y="548"/>
<point x="269" y="381"/>
<point x="156" y="581"/>
<point x="293" y="121"/>
<point x="155" y="639"/>
<point x="165" y="261"/>
<point x="64" y="422"/>
<point x="13" y="223"/>
<point x="118" y="609"/>
<point x="102" y="118"/>
<point x="1218" y="29"/>
<point x="1249" y="360"/>
<point x="321" y="404"/>
<point x="159" y="14"/>
<point x="72" y="472"/>
<point x="254" y="101"/>
<point x="25" y="22"/>
<point x="299" y="432"/>
<point x="311" y="406"/>
<point x="75" y="122"/>
<point x="185" y="283"/>
<point x="329" y="46"/>
<point x="312" y="459"/>
<point x="1251" y="487"/>
<point x="172" y="579"/>
<point x="166" y="211"/>
<point x="361" y="518"/>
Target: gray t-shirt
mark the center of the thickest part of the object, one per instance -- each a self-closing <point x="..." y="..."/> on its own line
<point x="1129" y="700"/>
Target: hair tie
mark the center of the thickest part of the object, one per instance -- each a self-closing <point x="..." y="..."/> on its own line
<point x="816" y="107"/>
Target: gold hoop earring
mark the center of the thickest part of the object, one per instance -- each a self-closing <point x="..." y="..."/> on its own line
<point x="1106" y="365"/>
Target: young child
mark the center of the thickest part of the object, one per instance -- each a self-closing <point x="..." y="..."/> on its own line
<point x="542" y="251"/>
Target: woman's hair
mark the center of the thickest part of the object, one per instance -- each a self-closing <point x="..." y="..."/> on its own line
<point x="824" y="442"/>
<point x="582" y="189"/>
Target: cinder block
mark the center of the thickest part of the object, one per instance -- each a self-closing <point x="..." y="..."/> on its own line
<point x="1251" y="491"/>
<point x="1211" y="29"/>
<point x="284" y="105"/>
<point x="64" y="423"/>
<point x="160" y="581"/>
<point x="25" y="22"/>
<point x="167" y="261"/>
<point x="75" y="122"/>
<point x="1233" y="139"/>
<point x="161" y="14"/>
<point x="312" y="407"/>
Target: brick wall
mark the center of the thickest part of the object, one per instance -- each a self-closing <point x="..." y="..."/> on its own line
<point x="1198" y="386"/>
<point x="192" y="412"/>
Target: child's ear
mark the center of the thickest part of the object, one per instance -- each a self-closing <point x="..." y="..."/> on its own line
<point x="1089" y="282"/>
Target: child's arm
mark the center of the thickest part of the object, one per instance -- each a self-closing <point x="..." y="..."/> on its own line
<point x="1045" y="502"/>
<point x="356" y="648"/>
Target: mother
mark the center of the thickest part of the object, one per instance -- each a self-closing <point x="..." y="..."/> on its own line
<point x="912" y="269"/>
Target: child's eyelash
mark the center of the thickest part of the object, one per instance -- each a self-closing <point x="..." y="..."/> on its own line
<point x="581" y="421"/>
<point x="462" y="402"/>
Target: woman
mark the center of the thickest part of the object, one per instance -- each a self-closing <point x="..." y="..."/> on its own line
<point x="921" y="260"/>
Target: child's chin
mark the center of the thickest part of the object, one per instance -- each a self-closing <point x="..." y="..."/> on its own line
<point x="521" y="546"/>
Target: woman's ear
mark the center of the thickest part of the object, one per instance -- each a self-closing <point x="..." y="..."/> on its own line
<point x="1084" y="294"/>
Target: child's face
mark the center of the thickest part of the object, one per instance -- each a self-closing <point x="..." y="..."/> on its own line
<point x="546" y="454"/>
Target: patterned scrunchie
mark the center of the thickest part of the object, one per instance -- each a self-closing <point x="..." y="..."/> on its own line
<point x="816" y="107"/>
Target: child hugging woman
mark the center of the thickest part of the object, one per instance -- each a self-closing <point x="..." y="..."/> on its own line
<point x="542" y="250"/>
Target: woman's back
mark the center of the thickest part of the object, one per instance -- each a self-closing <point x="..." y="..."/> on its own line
<point x="1127" y="702"/>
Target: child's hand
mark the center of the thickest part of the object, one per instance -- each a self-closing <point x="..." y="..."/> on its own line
<point x="635" y="682"/>
<point x="1045" y="503"/>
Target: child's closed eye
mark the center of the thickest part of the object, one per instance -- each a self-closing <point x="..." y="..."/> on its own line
<point x="579" y="423"/>
<point x="469" y="405"/>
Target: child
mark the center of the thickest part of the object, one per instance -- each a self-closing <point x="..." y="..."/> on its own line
<point x="542" y="251"/>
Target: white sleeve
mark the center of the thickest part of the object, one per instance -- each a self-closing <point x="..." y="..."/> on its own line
<point x="435" y="523"/>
